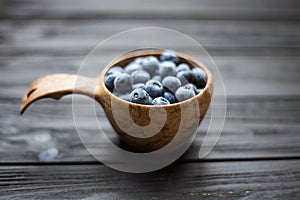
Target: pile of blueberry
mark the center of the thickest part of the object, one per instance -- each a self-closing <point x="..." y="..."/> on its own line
<point x="152" y="81"/>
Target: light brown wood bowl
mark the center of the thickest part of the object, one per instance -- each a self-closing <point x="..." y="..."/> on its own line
<point x="184" y="116"/>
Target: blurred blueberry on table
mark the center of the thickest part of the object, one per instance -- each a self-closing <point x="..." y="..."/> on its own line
<point x="138" y="85"/>
<point x="151" y="65"/>
<point x="140" y="76"/>
<point x="131" y="67"/>
<point x="170" y="97"/>
<point x="109" y="79"/>
<point x="169" y="56"/>
<point x="123" y="83"/>
<point x="139" y="96"/>
<point x="167" y="68"/>
<point x="160" y="101"/>
<point x="48" y="154"/>
<point x="199" y="78"/>
<point x="182" y="67"/>
<point x="185" y="77"/>
<point x="183" y="93"/>
<point x="154" y="88"/>
<point x="171" y="83"/>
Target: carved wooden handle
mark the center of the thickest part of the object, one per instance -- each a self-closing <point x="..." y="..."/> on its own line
<point x="56" y="86"/>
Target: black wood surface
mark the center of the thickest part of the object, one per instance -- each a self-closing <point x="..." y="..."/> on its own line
<point x="255" y="45"/>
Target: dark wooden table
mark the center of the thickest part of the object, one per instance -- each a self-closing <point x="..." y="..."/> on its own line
<point x="256" y="45"/>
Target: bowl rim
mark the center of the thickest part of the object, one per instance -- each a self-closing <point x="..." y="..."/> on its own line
<point x="156" y="52"/>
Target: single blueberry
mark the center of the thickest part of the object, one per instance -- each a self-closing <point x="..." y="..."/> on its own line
<point x="185" y="77"/>
<point x="154" y="88"/>
<point x="139" y="96"/>
<point x="138" y="85"/>
<point x="200" y="71"/>
<point x="183" y="94"/>
<point x="171" y="83"/>
<point x="109" y="79"/>
<point x="169" y="56"/>
<point x="138" y="60"/>
<point x="170" y="97"/>
<point x="190" y="86"/>
<point x="140" y="76"/>
<point x="151" y="65"/>
<point x="131" y="67"/>
<point x="182" y="67"/>
<point x="123" y="83"/>
<point x="150" y="100"/>
<point x="115" y="68"/>
<point x="160" y="101"/>
<point x="167" y="68"/>
<point x="199" y="78"/>
<point x="157" y="77"/>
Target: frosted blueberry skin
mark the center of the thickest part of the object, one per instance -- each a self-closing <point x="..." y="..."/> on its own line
<point x="114" y="69"/>
<point x="183" y="94"/>
<point x="154" y="88"/>
<point x="170" y="97"/>
<point x="140" y="76"/>
<point x="185" y="77"/>
<point x="171" y="83"/>
<point x="132" y="67"/>
<point x="199" y="79"/>
<point x="138" y="85"/>
<point x="157" y="77"/>
<point x="123" y="83"/>
<point x="151" y="65"/>
<point x="167" y="68"/>
<point x="169" y="56"/>
<point x="160" y="101"/>
<point x="109" y="79"/>
<point x="191" y="86"/>
<point x="182" y="67"/>
<point x="139" y="96"/>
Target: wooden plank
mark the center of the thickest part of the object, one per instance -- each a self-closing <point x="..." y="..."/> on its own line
<point x="209" y="180"/>
<point x="156" y="9"/>
<point x="258" y="128"/>
<point x="61" y="38"/>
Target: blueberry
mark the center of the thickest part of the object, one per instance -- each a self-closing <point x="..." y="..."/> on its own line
<point x="182" y="67"/>
<point x="185" y="77"/>
<point x="140" y="76"/>
<point x="200" y="71"/>
<point x="170" y="97"/>
<point x="154" y="88"/>
<point x="109" y="79"/>
<point x="114" y="69"/>
<point x="138" y="85"/>
<point x="131" y="67"/>
<point x="183" y="94"/>
<point x="138" y="60"/>
<point x="171" y="83"/>
<point x="160" y="101"/>
<point x="139" y="96"/>
<point x="123" y="83"/>
<point x="190" y="86"/>
<point x="169" y="56"/>
<point x="167" y="68"/>
<point x="199" y="78"/>
<point x="151" y="65"/>
<point x="198" y="91"/>
<point x="157" y="77"/>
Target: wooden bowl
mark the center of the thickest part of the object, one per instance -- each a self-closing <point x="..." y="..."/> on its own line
<point x="172" y="125"/>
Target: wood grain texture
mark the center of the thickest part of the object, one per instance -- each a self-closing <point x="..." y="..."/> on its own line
<point x="258" y="127"/>
<point x="201" y="180"/>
